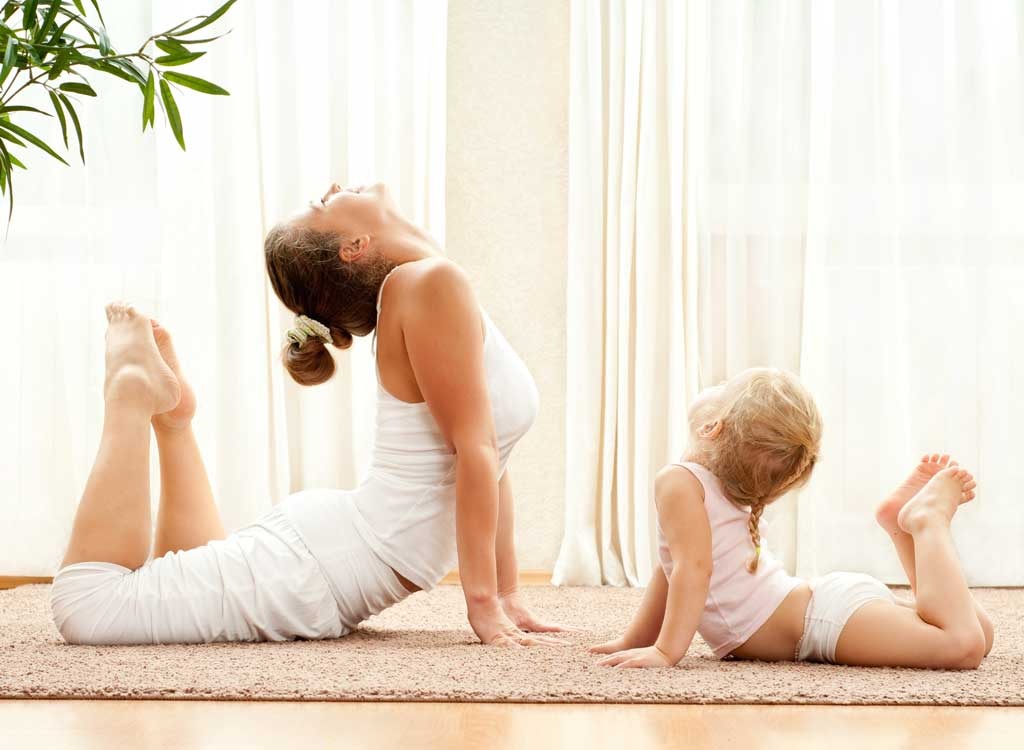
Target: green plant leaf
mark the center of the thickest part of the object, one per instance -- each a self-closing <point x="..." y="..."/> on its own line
<point x="29" y="14"/>
<point x="196" y="84"/>
<point x="60" y="64"/>
<point x="171" y="107"/>
<point x="74" y="121"/>
<point x="15" y="161"/>
<point x="81" y="8"/>
<point x="96" y="5"/>
<point x="12" y="45"/>
<point x="172" y="47"/>
<point x="60" y="116"/>
<point x="34" y="140"/>
<point x="10" y="137"/>
<point x="207" y="20"/>
<point x="202" y="41"/>
<point x="22" y="108"/>
<point x="75" y="87"/>
<point x="183" y="59"/>
<point x="104" y="41"/>
<point x="49" y="20"/>
<point x="147" y="102"/>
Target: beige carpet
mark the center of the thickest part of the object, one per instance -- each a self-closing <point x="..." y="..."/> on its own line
<point x="422" y="650"/>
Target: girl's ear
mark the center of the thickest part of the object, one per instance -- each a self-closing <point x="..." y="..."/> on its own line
<point x="711" y="430"/>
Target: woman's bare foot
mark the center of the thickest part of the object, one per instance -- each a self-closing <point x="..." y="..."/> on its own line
<point x="938" y="500"/>
<point x="136" y="373"/>
<point x="181" y="415"/>
<point x="890" y="508"/>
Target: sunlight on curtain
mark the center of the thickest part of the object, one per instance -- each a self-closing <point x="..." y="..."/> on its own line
<point x="852" y="214"/>
<point x="320" y="91"/>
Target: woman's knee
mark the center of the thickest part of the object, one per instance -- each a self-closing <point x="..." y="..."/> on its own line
<point x="79" y="596"/>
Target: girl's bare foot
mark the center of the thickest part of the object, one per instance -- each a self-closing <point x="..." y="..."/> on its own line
<point x="181" y="415"/>
<point x="938" y="500"/>
<point x="136" y="373"/>
<point x="889" y="509"/>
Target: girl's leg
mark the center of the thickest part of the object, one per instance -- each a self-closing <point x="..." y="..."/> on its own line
<point x="887" y="514"/>
<point x="188" y="516"/>
<point x="112" y="523"/>
<point x="943" y="630"/>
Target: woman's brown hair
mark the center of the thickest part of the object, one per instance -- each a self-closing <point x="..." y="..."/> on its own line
<point x="310" y="278"/>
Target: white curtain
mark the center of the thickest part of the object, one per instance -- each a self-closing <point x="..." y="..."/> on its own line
<point x="848" y="179"/>
<point x="332" y="90"/>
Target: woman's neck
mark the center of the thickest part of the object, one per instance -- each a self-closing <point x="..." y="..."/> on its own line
<point x="405" y="242"/>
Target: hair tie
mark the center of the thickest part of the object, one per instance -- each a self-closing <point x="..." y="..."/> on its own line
<point x="305" y="328"/>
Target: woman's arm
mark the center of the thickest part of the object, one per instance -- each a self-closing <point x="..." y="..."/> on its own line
<point x="508" y="567"/>
<point x="680" y="500"/>
<point x="441" y="326"/>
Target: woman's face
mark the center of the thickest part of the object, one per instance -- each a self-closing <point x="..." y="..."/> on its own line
<point x="356" y="210"/>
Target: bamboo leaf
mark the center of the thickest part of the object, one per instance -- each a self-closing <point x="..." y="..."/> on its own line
<point x="34" y="140"/>
<point x="29" y="14"/>
<point x="172" y="47"/>
<point x="207" y="20"/>
<point x="96" y="5"/>
<point x="196" y="84"/>
<point x="171" y="107"/>
<point x="75" y="87"/>
<point x="147" y="103"/>
<point x="60" y="116"/>
<point x="16" y="161"/>
<point x="202" y="41"/>
<point x="11" y="137"/>
<point x="182" y="59"/>
<point x="81" y="8"/>
<point x="74" y="121"/>
<point x="12" y="45"/>
<point x="22" y="108"/>
<point x="48" y="20"/>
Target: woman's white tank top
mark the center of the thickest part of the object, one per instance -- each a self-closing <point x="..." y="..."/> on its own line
<point x="405" y="507"/>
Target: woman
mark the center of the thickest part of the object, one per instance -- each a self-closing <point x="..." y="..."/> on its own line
<point x="452" y="401"/>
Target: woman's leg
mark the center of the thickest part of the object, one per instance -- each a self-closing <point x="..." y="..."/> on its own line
<point x="943" y="630"/>
<point x="112" y="523"/>
<point x="188" y="516"/>
<point x="887" y="514"/>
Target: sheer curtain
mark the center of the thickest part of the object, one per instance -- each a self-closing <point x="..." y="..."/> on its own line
<point x="320" y="91"/>
<point x="852" y="177"/>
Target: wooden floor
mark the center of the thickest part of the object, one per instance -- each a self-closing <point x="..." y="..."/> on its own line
<point x="145" y="725"/>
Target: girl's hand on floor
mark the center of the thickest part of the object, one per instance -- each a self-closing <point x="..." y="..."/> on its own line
<point x="637" y="657"/>
<point x="525" y="620"/>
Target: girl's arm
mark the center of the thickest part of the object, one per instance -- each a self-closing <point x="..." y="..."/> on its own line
<point x="646" y="624"/>
<point x="680" y="500"/>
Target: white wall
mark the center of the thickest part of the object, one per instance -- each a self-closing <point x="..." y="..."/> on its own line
<point x="506" y="223"/>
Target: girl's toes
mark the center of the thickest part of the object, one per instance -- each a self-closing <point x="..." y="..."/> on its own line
<point x="935" y="458"/>
<point x="944" y="459"/>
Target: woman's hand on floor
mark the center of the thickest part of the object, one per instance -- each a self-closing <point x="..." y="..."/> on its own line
<point x="494" y="628"/>
<point x="525" y="620"/>
<point x="649" y="656"/>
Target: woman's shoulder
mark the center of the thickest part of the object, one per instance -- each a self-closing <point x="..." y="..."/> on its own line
<point x="431" y="274"/>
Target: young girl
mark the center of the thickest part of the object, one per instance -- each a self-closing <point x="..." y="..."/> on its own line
<point x="753" y="439"/>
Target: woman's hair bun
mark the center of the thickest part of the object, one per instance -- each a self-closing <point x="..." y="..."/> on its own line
<point x="309" y="363"/>
<point x="341" y="338"/>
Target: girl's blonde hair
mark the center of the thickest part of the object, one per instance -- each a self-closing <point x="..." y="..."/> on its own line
<point x="766" y="442"/>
